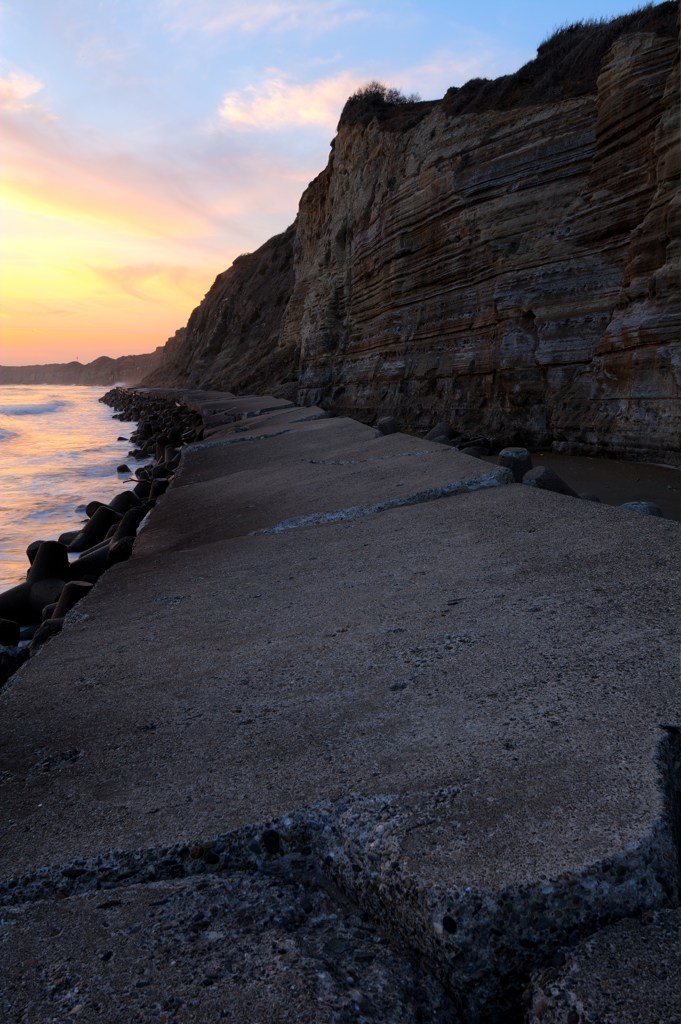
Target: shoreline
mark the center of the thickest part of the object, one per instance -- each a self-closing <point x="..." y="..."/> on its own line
<point x="61" y="572"/>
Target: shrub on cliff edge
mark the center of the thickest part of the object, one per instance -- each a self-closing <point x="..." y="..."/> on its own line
<point x="372" y="100"/>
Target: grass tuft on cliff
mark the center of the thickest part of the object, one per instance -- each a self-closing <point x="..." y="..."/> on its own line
<point x="567" y="63"/>
<point x="374" y="100"/>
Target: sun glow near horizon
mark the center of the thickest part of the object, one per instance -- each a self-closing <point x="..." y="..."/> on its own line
<point x="145" y="146"/>
<point x="68" y="290"/>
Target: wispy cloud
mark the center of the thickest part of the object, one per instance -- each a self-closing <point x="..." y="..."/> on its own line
<point x="97" y="51"/>
<point x="213" y="193"/>
<point x="16" y="91"/>
<point x="154" y="282"/>
<point x="126" y="240"/>
<point x="80" y="193"/>
<point x="280" y="102"/>
<point x="53" y="171"/>
<point x="214" y="17"/>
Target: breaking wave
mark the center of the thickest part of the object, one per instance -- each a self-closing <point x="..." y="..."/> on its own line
<point x="33" y="410"/>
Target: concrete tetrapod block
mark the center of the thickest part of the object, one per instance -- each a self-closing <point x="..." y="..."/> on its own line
<point x="9" y="633"/>
<point x="388" y="425"/>
<point x="518" y="460"/>
<point x="440" y="431"/>
<point x="644" y="508"/>
<point x="454" y="706"/>
<point x="545" y="479"/>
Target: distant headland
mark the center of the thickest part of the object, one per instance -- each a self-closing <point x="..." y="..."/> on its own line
<point x="104" y="370"/>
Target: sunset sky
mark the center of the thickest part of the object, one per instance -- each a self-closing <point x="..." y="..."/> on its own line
<point x="146" y="143"/>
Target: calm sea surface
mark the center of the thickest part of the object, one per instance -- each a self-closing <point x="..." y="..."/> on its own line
<point x="58" y="451"/>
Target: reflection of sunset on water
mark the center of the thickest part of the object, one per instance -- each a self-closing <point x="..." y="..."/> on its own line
<point x="58" y="450"/>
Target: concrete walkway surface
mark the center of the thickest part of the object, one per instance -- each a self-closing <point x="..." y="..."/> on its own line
<point x="449" y="702"/>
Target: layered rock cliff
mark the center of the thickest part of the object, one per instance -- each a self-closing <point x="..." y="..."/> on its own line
<point x="101" y="371"/>
<point x="506" y="259"/>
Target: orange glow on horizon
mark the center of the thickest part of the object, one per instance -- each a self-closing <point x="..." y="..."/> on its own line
<point x="94" y="202"/>
<point x="69" y="288"/>
<point x="97" y="256"/>
<point x="107" y="247"/>
<point x="74" y="315"/>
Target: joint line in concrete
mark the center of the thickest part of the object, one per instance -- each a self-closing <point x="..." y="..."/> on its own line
<point x="495" y="479"/>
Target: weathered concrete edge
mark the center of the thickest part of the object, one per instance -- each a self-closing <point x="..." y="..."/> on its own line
<point x="483" y="945"/>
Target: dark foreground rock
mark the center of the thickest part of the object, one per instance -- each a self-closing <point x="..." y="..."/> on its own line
<point x="546" y="480"/>
<point x="644" y="508"/>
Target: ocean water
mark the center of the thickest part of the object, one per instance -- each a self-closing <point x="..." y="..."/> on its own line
<point x="58" y="451"/>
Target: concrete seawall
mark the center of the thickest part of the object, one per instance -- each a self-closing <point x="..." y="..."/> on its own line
<point x="363" y="693"/>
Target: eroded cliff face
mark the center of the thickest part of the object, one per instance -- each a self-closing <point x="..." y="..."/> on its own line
<point x="234" y="336"/>
<point x="512" y="270"/>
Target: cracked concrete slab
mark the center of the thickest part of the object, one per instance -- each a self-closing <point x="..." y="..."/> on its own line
<point x="270" y="422"/>
<point x="328" y="466"/>
<point x="456" y="706"/>
<point x="275" y="944"/>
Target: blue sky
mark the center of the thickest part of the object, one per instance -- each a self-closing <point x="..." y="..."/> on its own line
<point x="149" y="142"/>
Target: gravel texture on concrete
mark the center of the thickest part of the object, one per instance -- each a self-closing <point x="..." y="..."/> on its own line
<point x="273" y="945"/>
<point x="628" y="973"/>
<point x="448" y="689"/>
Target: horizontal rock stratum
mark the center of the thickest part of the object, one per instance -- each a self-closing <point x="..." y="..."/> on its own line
<point x="363" y="730"/>
<point x="506" y="259"/>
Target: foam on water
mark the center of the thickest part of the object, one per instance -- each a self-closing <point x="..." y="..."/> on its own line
<point x="31" y="408"/>
<point x="58" y="451"/>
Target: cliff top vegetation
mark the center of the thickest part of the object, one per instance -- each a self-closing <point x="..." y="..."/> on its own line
<point x="374" y="100"/>
<point x="567" y="65"/>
